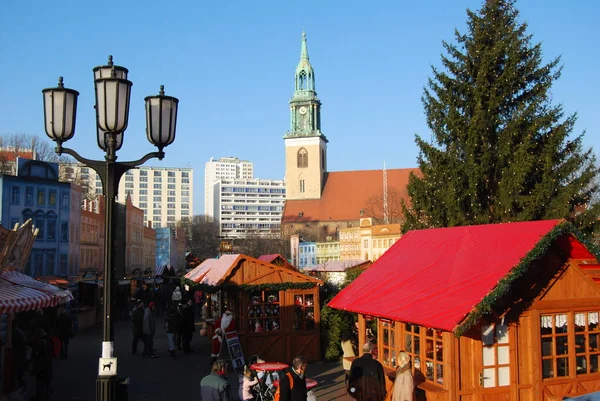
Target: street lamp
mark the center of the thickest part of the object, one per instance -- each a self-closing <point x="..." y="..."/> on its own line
<point x="113" y="91"/>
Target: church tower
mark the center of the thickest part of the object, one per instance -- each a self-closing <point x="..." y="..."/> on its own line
<point x="305" y="145"/>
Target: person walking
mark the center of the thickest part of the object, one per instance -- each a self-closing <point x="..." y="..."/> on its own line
<point x="64" y="332"/>
<point x="137" y="325"/>
<point x="404" y="387"/>
<point x="198" y="301"/>
<point x="149" y="330"/>
<point x="292" y="386"/>
<point x="41" y="361"/>
<point x="215" y="386"/>
<point x="188" y="328"/>
<point x="170" y="329"/>
<point x="367" y="380"/>
<point x="176" y="296"/>
<point x="348" y="352"/>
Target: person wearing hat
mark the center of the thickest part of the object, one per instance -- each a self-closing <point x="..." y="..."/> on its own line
<point x="149" y="330"/>
<point x="137" y="325"/>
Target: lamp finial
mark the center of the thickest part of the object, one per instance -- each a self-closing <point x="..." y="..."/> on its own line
<point x="60" y="82"/>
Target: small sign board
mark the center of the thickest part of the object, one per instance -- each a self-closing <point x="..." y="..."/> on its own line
<point x="107" y="367"/>
<point x="235" y="350"/>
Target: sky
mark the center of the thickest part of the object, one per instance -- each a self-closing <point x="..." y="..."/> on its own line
<point x="232" y="63"/>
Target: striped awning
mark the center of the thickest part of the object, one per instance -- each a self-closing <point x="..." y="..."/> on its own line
<point x="20" y="293"/>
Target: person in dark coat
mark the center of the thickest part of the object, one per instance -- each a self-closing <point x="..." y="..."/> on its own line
<point x="64" y="332"/>
<point x="188" y="328"/>
<point x="41" y="360"/>
<point x="296" y="391"/>
<point x="19" y="356"/>
<point x="149" y="329"/>
<point x="137" y="325"/>
<point x="367" y="380"/>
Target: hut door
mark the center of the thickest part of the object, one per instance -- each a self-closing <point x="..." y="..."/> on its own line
<point x="495" y="372"/>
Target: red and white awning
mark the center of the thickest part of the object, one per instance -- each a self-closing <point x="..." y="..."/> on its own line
<point x="20" y="293"/>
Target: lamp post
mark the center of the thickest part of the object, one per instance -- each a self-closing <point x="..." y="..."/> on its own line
<point x="113" y="91"/>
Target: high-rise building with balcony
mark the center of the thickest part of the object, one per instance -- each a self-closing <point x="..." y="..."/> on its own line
<point x="248" y="207"/>
<point x="228" y="168"/>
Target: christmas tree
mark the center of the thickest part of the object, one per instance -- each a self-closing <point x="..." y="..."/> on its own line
<point x="499" y="151"/>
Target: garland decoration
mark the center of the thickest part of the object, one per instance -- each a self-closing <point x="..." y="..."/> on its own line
<point x="485" y="306"/>
<point x="211" y="289"/>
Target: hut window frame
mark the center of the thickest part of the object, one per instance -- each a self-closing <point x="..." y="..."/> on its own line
<point x="264" y="311"/>
<point x="569" y="343"/>
<point x="389" y="350"/>
<point x="304" y="311"/>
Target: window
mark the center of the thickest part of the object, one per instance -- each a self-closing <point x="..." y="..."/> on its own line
<point x="569" y="339"/>
<point x="170" y="174"/>
<point x="263" y="311"/>
<point x="28" y="196"/>
<point x="304" y="312"/>
<point x="64" y="200"/>
<point x="52" y="197"/>
<point x="496" y="362"/>
<point x="388" y="349"/>
<point x="41" y="197"/>
<point x="434" y="356"/>
<point x="302" y="158"/>
<point x="51" y="231"/>
<point x="16" y="195"/>
<point x="63" y="264"/>
<point x="302" y="187"/>
<point x="143" y="173"/>
<point x="171" y="180"/>
<point x="157" y="174"/>
<point x="64" y="231"/>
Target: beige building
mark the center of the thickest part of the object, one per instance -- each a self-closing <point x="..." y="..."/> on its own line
<point x="367" y="241"/>
<point x="328" y="251"/>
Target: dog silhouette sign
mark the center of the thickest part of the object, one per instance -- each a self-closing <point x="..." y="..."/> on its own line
<point x="107" y="367"/>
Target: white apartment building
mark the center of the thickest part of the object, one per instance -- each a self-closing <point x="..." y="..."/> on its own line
<point x="247" y="207"/>
<point x="165" y="194"/>
<point x="228" y="168"/>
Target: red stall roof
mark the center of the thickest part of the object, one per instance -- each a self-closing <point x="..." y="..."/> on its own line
<point x="19" y="293"/>
<point x="436" y="277"/>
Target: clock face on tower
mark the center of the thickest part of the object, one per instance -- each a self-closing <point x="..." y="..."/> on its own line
<point x="302" y="110"/>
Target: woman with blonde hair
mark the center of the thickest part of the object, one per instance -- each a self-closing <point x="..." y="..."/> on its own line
<point x="404" y="387"/>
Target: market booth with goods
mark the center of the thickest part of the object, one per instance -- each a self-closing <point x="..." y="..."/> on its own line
<point x="491" y="312"/>
<point x="276" y="308"/>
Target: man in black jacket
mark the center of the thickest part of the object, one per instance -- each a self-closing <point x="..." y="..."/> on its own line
<point x="366" y="381"/>
<point x="137" y="325"/>
<point x="294" y="390"/>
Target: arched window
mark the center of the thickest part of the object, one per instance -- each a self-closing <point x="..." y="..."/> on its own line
<point x="302" y="158"/>
<point x="302" y="82"/>
<point x="302" y="185"/>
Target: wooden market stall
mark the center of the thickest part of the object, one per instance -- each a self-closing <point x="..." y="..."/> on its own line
<point x="276" y="308"/>
<point x="491" y="312"/>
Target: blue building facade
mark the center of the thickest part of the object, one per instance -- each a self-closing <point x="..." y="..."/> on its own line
<point x="55" y="209"/>
<point x="307" y="254"/>
<point x="166" y="252"/>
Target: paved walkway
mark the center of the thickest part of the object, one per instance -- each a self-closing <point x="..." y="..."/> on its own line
<point x="160" y="379"/>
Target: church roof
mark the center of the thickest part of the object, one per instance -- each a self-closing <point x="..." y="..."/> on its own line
<point x="345" y="194"/>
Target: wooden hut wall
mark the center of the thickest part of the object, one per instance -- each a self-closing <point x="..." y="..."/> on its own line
<point x="297" y="334"/>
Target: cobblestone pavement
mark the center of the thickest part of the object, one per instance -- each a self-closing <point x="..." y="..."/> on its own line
<point x="160" y="379"/>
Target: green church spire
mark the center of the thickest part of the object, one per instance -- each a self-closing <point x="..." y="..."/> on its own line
<point x="305" y="107"/>
<point x="305" y="75"/>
